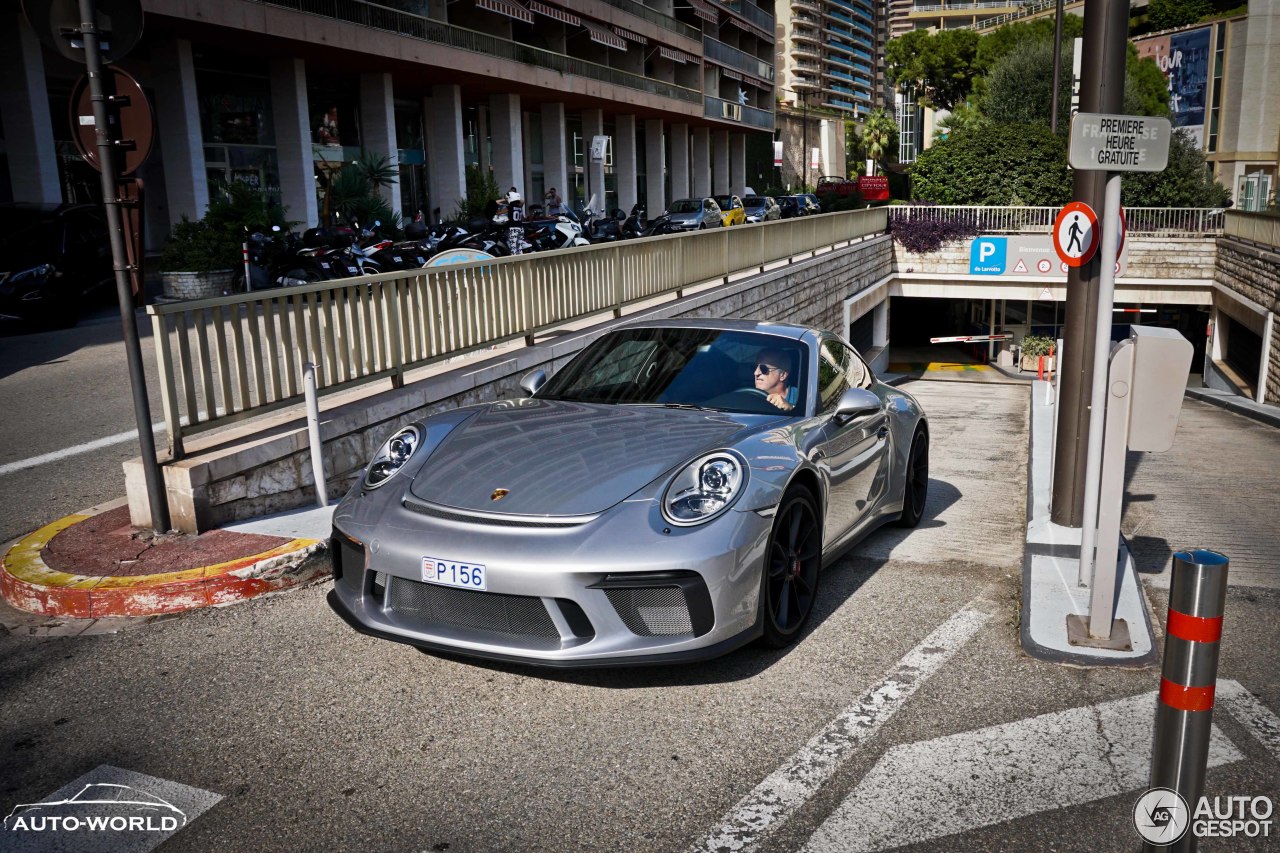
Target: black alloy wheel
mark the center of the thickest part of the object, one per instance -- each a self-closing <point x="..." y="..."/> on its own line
<point x="792" y="564"/>
<point x="917" y="485"/>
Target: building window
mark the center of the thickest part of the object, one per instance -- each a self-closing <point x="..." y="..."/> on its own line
<point x="907" y="114"/>
<point x="1215" y="109"/>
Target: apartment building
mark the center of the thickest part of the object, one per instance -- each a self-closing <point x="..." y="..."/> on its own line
<point x="280" y="93"/>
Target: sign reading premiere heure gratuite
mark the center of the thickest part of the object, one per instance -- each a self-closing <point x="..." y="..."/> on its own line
<point x="1112" y="143"/>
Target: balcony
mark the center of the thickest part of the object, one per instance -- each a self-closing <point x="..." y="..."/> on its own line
<point x="720" y="109"/>
<point x="841" y="75"/>
<point x="654" y="17"/>
<point x="436" y="32"/>
<point x="722" y="54"/>
<point x="805" y="83"/>
<point x="809" y="5"/>
<point x="798" y="50"/>
<point x="806" y="36"/>
<point x="752" y="13"/>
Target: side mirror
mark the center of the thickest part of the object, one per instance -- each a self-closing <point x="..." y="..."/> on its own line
<point x="275" y="228"/>
<point x="533" y="381"/>
<point x="856" y="403"/>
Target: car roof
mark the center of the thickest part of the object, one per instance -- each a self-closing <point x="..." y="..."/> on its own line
<point x="786" y="330"/>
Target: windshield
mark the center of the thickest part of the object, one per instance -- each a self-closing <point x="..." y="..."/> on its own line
<point x="724" y="201"/>
<point x="707" y="368"/>
<point x="753" y="201"/>
<point x="686" y="205"/>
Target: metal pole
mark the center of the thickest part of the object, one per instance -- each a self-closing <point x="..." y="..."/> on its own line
<point x="244" y="252"/>
<point x="804" y="107"/>
<point x="1110" y="221"/>
<point x="1184" y="713"/>
<point x="1106" y="26"/>
<point x="156" y="498"/>
<point x="1057" y="66"/>
<point x="313" y="432"/>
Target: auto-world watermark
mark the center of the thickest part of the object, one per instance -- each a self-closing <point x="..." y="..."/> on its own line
<point x="1162" y="816"/>
<point x="98" y="808"/>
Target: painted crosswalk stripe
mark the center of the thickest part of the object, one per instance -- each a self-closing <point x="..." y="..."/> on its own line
<point x="789" y="787"/>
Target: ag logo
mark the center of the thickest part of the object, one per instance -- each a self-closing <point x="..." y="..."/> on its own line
<point x="1161" y="816"/>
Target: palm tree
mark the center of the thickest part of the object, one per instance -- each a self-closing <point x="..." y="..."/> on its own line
<point x="878" y="132"/>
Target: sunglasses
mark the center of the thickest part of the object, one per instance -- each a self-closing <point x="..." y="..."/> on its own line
<point x="765" y="369"/>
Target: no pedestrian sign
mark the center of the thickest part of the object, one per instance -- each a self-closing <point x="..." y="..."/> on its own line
<point x="1075" y="234"/>
<point x="1112" y="143"/>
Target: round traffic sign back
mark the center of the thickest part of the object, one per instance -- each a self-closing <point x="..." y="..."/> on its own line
<point x="1075" y="234"/>
<point x="135" y="125"/>
<point x="57" y="23"/>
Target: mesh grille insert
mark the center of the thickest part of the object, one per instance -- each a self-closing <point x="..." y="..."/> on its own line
<point x="506" y="618"/>
<point x="652" y="611"/>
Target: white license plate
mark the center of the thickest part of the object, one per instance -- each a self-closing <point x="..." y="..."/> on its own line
<point x="453" y="573"/>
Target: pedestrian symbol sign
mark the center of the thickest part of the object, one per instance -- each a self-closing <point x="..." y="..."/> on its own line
<point x="1075" y="234"/>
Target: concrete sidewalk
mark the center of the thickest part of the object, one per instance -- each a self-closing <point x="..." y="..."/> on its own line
<point x="92" y="565"/>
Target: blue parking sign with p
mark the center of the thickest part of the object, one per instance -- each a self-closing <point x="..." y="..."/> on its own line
<point x="987" y="255"/>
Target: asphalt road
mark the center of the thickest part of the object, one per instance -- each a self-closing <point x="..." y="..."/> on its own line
<point x="318" y="738"/>
<point x="60" y="390"/>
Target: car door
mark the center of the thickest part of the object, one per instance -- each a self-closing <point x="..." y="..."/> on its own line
<point x="851" y="453"/>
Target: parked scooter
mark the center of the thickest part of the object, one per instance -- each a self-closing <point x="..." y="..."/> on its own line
<point x="634" y="225"/>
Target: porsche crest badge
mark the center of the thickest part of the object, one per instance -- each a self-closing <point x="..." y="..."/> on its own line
<point x="499" y="494"/>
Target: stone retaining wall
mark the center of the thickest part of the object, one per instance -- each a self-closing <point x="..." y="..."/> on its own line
<point x="264" y="467"/>
<point x="1253" y="271"/>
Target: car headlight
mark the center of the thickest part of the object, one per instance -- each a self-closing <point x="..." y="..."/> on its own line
<point x="42" y="271"/>
<point x="706" y="487"/>
<point x="392" y="457"/>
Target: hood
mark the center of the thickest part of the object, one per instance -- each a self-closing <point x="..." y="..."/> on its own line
<point x="558" y="458"/>
<point x="691" y="216"/>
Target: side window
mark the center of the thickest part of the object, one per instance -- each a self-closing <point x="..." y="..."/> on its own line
<point x="857" y="373"/>
<point x="831" y="383"/>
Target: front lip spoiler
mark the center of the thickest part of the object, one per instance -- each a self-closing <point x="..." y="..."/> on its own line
<point x="693" y="656"/>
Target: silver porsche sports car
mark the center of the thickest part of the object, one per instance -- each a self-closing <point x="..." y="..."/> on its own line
<point x="669" y="495"/>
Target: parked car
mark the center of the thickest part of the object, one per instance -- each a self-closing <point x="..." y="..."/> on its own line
<point x="796" y="205"/>
<point x="53" y="260"/>
<point x="669" y="495"/>
<point x="813" y="200"/>
<point x="761" y="208"/>
<point x="731" y="207"/>
<point x="694" y="214"/>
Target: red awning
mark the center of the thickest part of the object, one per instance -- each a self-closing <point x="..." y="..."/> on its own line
<point x="601" y="35"/>
<point x="677" y="56"/>
<point x="510" y="8"/>
<point x="630" y="36"/>
<point x="705" y="10"/>
<point x="553" y="12"/>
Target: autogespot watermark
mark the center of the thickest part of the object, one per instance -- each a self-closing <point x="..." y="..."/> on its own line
<point x="1163" y="817"/>
<point x="99" y="807"/>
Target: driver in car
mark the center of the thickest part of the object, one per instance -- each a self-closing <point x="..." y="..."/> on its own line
<point x="773" y="368"/>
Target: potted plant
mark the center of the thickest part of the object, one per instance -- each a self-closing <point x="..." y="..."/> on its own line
<point x="1034" y="346"/>
<point x="197" y="261"/>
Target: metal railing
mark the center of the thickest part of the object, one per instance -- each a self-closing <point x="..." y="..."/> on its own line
<point x="1260" y="228"/>
<point x="718" y="51"/>
<point x="1027" y="10"/>
<point x="752" y="13"/>
<point x="1139" y="221"/>
<point x="229" y="358"/>
<point x="655" y="17"/>
<point x="438" y="32"/>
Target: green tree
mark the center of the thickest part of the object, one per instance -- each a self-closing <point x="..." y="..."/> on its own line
<point x="354" y="195"/>
<point x="1003" y="40"/>
<point x="1000" y="164"/>
<point x="1146" y="89"/>
<point x="1167" y="14"/>
<point x="1184" y="183"/>
<point x="939" y="66"/>
<point x="878" y="134"/>
<point x="965" y="118"/>
<point x="1017" y="89"/>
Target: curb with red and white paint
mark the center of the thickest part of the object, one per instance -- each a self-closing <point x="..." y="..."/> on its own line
<point x="28" y="583"/>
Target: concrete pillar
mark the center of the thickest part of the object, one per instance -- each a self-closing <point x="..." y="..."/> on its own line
<point x="508" y="141"/>
<point x="738" y="164"/>
<point x="700" y="169"/>
<point x="378" y="136"/>
<point x="592" y="126"/>
<point x="655" y="167"/>
<point x="624" y="162"/>
<point x="178" y="117"/>
<point x="720" y="162"/>
<point x="446" y="162"/>
<point x="293" y="140"/>
<point x="24" y="108"/>
<point x="555" y="154"/>
<point x="532" y="194"/>
<point x="679" y="161"/>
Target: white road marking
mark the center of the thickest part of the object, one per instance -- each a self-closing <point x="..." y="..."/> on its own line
<point x="1001" y="773"/>
<point x="788" y="788"/>
<point x="59" y="455"/>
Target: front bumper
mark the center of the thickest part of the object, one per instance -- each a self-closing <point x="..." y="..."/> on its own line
<point x="611" y="590"/>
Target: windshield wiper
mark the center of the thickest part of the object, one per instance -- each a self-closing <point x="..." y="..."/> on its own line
<point x="688" y="406"/>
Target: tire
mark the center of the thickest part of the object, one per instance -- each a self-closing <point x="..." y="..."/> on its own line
<point x="916" y="489"/>
<point x="792" y="565"/>
<point x="702" y="226"/>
